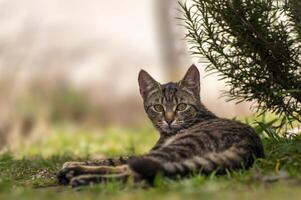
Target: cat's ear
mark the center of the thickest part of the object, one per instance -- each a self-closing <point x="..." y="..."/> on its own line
<point x="191" y="80"/>
<point x="146" y="83"/>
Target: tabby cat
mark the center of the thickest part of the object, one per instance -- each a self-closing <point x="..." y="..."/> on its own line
<point x="192" y="139"/>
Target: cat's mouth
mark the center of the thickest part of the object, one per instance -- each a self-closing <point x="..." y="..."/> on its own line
<point x="166" y="127"/>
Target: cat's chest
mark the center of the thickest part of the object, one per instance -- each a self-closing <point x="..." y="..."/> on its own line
<point x="216" y="128"/>
<point x="173" y="139"/>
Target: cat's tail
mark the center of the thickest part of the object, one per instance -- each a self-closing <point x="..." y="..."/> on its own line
<point x="233" y="158"/>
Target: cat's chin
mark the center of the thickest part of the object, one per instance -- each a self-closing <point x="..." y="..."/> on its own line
<point x="169" y="130"/>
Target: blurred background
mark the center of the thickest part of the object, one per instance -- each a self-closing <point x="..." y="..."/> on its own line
<point x="76" y="62"/>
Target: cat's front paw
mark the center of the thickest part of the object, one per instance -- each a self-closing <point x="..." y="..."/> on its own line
<point x="68" y="171"/>
<point x="64" y="175"/>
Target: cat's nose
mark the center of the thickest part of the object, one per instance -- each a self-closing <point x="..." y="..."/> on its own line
<point x="169" y="117"/>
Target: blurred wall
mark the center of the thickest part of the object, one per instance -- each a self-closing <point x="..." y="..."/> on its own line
<point x="97" y="48"/>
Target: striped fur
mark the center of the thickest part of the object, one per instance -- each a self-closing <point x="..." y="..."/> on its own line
<point x="192" y="139"/>
<point x="198" y="140"/>
<point x="195" y="151"/>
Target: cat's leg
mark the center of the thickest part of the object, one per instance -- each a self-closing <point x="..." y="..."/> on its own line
<point x="104" y="162"/>
<point x="71" y="169"/>
<point x="66" y="174"/>
<point x="123" y="174"/>
<point x="121" y="160"/>
<point x="73" y="164"/>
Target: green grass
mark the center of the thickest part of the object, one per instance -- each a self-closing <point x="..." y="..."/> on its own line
<point x="29" y="172"/>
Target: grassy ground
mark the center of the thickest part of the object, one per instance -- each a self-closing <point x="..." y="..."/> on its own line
<point x="30" y="172"/>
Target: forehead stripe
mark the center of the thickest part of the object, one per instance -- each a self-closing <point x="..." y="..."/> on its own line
<point x="169" y="91"/>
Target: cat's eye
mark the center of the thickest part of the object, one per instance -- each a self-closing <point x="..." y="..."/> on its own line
<point x="158" y="108"/>
<point x="181" y="106"/>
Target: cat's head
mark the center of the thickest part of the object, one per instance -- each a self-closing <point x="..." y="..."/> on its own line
<point x="171" y="106"/>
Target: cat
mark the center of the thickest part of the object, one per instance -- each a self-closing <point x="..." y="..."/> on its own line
<point x="192" y="139"/>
